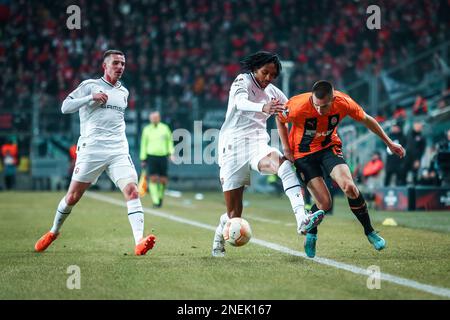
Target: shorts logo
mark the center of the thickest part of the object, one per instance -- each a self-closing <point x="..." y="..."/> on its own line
<point x="77" y="170"/>
<point x="222" y="181"/>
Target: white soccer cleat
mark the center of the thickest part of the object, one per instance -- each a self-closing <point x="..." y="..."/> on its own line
<point x="218" y="249"/>
<point x="311" y="220"/>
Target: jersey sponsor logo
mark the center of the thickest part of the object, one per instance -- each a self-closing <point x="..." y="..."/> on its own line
<point x="109" y="106"/>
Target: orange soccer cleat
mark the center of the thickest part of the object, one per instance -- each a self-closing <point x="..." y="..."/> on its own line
<point x="144" y="245"/>
<point x="45" y="241"/>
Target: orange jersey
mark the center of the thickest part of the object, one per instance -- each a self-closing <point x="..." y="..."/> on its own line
<point x="312" y="132"/>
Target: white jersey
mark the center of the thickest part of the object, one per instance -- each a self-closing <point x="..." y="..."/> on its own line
<point x="240" y="125"/>
<point x="103" y="124"/>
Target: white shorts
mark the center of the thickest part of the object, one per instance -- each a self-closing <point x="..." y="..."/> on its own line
<point x="236" y="165"/>
<point x="90" y="165"/>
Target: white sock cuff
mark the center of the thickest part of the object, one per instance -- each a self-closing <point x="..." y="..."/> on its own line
<point x="63" y="207"/>
<point x="286" y="167"/>
<point x="288" y="176"/>
<point x="134" y="206"/>
<point x="224" y="218"/>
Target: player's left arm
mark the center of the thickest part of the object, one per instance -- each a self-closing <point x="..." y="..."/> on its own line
<point x="375" y="127"/>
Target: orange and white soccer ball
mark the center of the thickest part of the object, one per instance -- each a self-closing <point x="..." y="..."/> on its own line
<point x="237" y="232"/>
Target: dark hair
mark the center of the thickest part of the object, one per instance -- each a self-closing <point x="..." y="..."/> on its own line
<point x="322" y="89"/>
<point x="110" y="52"/>
<point x="259" y="59"/>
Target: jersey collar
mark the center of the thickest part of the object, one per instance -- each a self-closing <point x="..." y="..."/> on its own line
<point x="118" y="83"/>
<point x="255" y="82"/>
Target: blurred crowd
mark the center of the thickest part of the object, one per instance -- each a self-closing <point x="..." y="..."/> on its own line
<point x="185" y="52"/>
<point x="426" y="164"/>
<point x="178" y="50"/>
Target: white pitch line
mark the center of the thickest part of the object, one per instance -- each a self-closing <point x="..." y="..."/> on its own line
<point x="251" y="217"/>
<point x="439" y="291"/>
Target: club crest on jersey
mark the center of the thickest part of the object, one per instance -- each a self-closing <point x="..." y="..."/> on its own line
<point x="334" y="120"/>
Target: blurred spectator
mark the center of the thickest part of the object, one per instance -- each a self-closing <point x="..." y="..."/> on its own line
<point x="420" y="106"/>
<point x="399" y="113"/>
<point x="415" y="148"/>
<point x="429" y="177"/>
<point x="394" y="165"/>
<point x="9" y="154"/>
<point x="444" y="143"/>
<point x="442" y="162"/>
<point x="372" y="171"/>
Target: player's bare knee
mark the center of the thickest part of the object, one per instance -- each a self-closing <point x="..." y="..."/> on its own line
<point x="73" y="197"/>
<point x="274" y="167"/>
<point x="131" y="192"/>
<point x="134" y="194"/>
<point x="350" y="189"/>
<point x="324" y="205"/>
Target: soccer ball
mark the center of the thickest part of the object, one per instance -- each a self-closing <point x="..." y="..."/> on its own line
<point x="237" y="232"/>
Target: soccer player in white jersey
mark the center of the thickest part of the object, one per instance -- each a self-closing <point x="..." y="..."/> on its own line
<point x="243" y="143"/>
<point x="102" y="146"/>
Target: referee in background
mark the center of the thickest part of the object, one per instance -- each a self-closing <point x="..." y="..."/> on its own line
<point x="156" y="148"/>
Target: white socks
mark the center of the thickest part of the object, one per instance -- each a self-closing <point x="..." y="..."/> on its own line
<point x="291" y="187"/>
<point x="62" y="213"/>
<point x="218" y="235"/>
<point x="136" y="218"/>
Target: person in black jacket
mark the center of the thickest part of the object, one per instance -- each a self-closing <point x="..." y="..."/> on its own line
<point x="394" y="165"/>
<point x="415" y="144"/>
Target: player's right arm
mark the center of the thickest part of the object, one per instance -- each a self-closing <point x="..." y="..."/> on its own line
<point x="355" y="111"/>
<point x="375" y="127"/>
<point x="81" y="97"/>
<point x="240" y="89"/>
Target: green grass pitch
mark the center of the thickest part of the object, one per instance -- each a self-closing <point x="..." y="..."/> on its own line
<point x="97" y="238"/>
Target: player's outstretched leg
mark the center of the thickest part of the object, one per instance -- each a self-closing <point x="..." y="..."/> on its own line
<point x="310" y="241"/>
<point x="312" y="220"/>
<point x="218" y="247"/>
<point x="62" y="212"/>
<point x="359" y="209"/>
<point x="376" y="240"/>
<point x="291" y="186"/>
<point x="136" y="219"/>
<point x="310" y="244"/>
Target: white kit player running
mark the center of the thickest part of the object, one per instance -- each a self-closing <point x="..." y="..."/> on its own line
<point x="243" y="143"/>
<point x="102" y="146"/>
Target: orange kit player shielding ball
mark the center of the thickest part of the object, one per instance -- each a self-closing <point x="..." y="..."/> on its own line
<point x="313" y="143"/>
